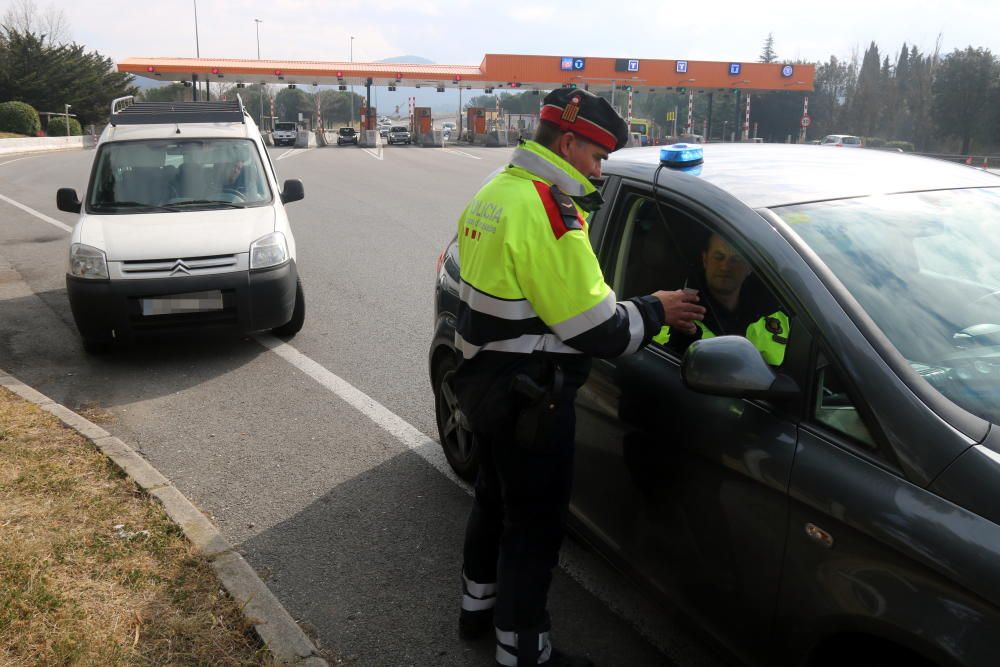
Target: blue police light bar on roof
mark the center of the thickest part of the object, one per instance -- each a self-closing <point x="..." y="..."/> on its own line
<point x="680" y="156"/>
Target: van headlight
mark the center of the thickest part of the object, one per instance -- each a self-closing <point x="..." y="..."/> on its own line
<point x="87" y="262"/>
<point x="269" y="250"/>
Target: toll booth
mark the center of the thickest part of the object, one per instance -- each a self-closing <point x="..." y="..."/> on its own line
<point x="423" y="124"/>
<point x="475" y="123"/>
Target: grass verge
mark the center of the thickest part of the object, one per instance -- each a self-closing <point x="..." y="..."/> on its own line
<point x="12" y="135"/>
<point x="92" y="571"/>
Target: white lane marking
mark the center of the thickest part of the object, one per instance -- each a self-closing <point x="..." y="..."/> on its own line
<point x="40" y="216"/>
<point x="580" y="564"/>
<point x="427" y="448"/>
<point x="458" y="152"/>
<point x="377" y="155"/>
<point x="17" y="160"/>
<point x="293" y="152"/>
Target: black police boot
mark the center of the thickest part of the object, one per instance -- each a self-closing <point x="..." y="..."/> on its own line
<point x="473" y="625"/>
<point x="533" y="648"/>
<point x="476" y="618"/>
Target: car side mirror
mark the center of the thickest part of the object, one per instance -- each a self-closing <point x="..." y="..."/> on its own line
<point x="732" y="366"/>
<point x="67" y="200"/>
<point x="292" y="190"/>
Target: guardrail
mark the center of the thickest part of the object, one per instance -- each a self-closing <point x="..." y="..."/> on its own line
<point x="974" y="160"/>
<point x="40" y="144"/>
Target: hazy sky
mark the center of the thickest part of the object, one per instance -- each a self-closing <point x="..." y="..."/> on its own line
<point x="461" y="31"/>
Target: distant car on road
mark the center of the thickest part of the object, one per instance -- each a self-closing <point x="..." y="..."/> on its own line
<point x="347" y="135"/>
<point x="383" y="130"/>
<point x="448" y="125"/>
<point x="399" y="134"/>
<point x="842" y="141"/>
<point x="837" y="505"/>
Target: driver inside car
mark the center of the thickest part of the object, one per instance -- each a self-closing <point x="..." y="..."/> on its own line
<point x="731" y="309"/>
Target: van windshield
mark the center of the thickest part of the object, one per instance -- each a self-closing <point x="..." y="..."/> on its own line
<point x="174" y="175"/>
<point x="284" y="127"/>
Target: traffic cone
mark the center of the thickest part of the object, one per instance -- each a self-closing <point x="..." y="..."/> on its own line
<point x="968" y="160"/>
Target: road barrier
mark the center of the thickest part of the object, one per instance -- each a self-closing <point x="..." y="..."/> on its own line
<point x="38" y="144"/>
<point x="302" y="139"/>
<point x="434" y="139"/>
<point x="369" y="139"/>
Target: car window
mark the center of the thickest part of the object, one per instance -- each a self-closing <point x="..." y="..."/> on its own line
<point x="852" y="140"/>
<point x="925" y="267"/>
<point x="398" y="129"/>
<point x="284" y="127"/>
<point x="165" y="174"/>
<point x="835" y="409"/>
<point x="665" y="249"/>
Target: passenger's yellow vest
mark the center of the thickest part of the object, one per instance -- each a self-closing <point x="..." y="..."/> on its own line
<point x="769" y="335"/>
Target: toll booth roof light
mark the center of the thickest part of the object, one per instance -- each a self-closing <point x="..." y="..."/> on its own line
<point x="679" y="156"/>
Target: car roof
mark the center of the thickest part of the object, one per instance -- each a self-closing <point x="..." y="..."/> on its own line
<point x="768" y="175"/>
<point x="175" y="131"/>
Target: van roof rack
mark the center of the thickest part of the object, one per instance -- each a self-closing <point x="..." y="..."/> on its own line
<point x="125" y="111"/>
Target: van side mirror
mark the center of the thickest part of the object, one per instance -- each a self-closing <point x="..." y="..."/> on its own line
<point x="67" y="200"/>
<point x="292" y="190"/>
<point x="732" y="366"/>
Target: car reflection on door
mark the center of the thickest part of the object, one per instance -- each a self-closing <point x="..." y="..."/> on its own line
<point x="689" y="489"/>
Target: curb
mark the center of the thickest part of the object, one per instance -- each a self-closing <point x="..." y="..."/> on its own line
<point x="282" y="635"/>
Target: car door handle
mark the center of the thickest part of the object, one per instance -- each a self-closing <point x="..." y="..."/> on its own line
<point x="818" y="535"/>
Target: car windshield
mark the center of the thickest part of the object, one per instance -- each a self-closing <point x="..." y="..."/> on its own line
<point x="399" y="129"/>
<point x="284" y="127"/>
<point x="175" y="175"/>
<point x="347" y="131"/>
<point x="926" y="268"/>
<point x="638" y="127"/>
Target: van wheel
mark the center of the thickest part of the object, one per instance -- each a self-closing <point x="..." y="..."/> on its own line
<point x="294" y="325"/>
<point x="456" y="439"/>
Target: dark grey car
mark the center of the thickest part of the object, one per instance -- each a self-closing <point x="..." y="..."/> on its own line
<point x="843" y="508"/>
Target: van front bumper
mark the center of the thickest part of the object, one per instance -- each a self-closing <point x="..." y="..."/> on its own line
<point x="251" y="301"/>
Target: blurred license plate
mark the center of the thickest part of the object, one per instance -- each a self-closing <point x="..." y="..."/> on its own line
<point x="195" y="302"/>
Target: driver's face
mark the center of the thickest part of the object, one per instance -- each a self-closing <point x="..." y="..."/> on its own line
<point x="234" y="171"/>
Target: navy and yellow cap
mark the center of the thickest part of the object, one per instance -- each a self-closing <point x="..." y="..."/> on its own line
<point x="585" y="114"/>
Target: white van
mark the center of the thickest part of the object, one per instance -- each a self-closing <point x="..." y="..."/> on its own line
<point x="284" y="133"/>
<point x="182" y="227"/>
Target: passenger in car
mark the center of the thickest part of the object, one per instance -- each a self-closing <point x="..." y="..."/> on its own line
<point x="732" y="308"/>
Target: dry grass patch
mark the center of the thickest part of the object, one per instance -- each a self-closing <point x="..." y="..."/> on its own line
<point x="93" y="572"/>
<point x="12" y="135"/>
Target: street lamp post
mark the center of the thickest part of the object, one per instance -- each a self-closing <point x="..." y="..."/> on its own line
<point x="67" y="118"/>
<point x="197" y="51"/>
<point x="351" y="58"/>
<point x="260" y="93"/>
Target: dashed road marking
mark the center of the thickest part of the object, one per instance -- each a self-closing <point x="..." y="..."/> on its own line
<point x="427" y="448"/>
<point x="17" y="159"/>
<point x="458" y="152"/>
<point x="41" y="216"/>
<point x="293" y="152"/>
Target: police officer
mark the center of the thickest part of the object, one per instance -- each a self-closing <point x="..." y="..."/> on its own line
<point x="534" y="307"/>
<point x="730" y="311"/>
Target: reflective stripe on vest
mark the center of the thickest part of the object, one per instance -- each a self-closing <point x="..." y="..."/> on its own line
<point x="523" y="287"/>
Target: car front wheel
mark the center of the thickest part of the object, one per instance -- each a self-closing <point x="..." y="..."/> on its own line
<point x="456" y="439"/>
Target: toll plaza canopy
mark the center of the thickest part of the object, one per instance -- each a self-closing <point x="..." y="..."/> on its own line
<point x="495" y="71"/>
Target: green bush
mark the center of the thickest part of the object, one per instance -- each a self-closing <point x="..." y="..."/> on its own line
<point x="57" y="127"/>
<point x="874" y="142"/>
<point x="907" y="146"/>
<point x="19" y="118"/>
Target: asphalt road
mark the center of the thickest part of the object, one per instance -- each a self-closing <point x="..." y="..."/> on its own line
<point x="351" y="521"/>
